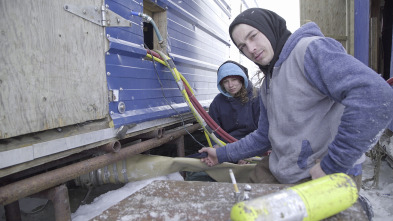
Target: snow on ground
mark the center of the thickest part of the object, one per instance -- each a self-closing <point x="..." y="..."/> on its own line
<point x="380" y="198"/>
<point x="104" y="201"/>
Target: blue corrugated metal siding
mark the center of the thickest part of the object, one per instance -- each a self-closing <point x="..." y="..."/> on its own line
<point x="361" y="43"/>
<point x="198" y="42"/>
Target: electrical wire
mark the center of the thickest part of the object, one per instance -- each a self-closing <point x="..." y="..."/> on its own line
<point x="189" y="96"/>
<point x="180" y="82"/>
<point x="166" y="100"/>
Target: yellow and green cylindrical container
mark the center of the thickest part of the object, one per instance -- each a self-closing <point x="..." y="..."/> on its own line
<point x="313" y="200"/>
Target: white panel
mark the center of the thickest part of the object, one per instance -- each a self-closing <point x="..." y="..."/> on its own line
<point x="16" y="156"/>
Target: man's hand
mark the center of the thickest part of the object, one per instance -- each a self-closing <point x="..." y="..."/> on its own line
<point x="211" y="158"/>
<point x="242" y="162"/>
<point x="316" y="171"/>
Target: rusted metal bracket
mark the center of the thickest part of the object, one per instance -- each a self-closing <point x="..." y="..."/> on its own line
<point x="99" y="15"/>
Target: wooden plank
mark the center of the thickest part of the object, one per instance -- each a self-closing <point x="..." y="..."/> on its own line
<point x="375" y="24"/>
<point x="374" y="43"/>
<point x="52" y="67"/>
<point x="181" y="200"/>
<point x="351" y="29"/>
<point x="334" y="17"/>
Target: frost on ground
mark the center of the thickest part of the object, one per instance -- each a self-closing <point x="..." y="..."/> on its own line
<point x="104" y="201"/>
<point x="380" y="197"/>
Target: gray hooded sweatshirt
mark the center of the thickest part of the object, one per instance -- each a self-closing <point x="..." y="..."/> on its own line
<point x="321" y="103"/>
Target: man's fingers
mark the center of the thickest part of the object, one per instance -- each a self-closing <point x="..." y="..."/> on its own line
<point x="204" y="149"/>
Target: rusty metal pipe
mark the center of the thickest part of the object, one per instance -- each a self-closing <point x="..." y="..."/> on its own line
<point x="61" y="203"/>
<point x="12" y="212"/>
<point x="31" y="185"/>
<point x="120" y="171"/>
<point x="60" y="200"/>
<point x="179" y="142"/>
<point x="114" y="146"/>
<point x="158" y="133"/>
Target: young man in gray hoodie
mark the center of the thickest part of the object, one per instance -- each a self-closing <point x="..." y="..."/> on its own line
<point x="321" y="109"/>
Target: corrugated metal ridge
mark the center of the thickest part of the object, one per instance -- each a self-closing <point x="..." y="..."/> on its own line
<point x="202" y="25"/>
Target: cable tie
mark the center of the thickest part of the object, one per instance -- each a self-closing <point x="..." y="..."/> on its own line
<point x="216" y="129"/>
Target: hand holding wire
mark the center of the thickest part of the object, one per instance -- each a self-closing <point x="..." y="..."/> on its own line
<point x="211" y="159"/>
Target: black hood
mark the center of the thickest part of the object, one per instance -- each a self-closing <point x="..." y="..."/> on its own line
<point x="270" y="24"/>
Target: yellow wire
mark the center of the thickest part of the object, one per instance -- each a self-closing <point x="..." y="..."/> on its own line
<point x="208" y="139"/>
<point x="176" y="74"/>
<point x="184" y="93"/>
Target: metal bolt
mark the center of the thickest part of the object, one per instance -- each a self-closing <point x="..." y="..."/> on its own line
<point x="121" y="88"/>
<point x="112" y="112"/>
<point x="246" y="196"/>
<point x="121" y="107"/>
<point x="108" y="73"/>
<point x="107" y="53"/>
<point x="118" y="20"/>
<point x="107" y="35"/>
<point x="84" y="11"/>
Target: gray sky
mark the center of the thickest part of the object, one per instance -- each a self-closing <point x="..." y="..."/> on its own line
<point x="288" y="9"/>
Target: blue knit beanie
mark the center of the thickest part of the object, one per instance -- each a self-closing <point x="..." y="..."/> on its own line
<point x="230" y="69"/>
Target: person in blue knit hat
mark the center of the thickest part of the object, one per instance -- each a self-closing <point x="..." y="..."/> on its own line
<point x="235" y="109"/>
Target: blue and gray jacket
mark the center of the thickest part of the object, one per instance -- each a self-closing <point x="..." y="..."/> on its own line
<point x="321" y="103"/>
